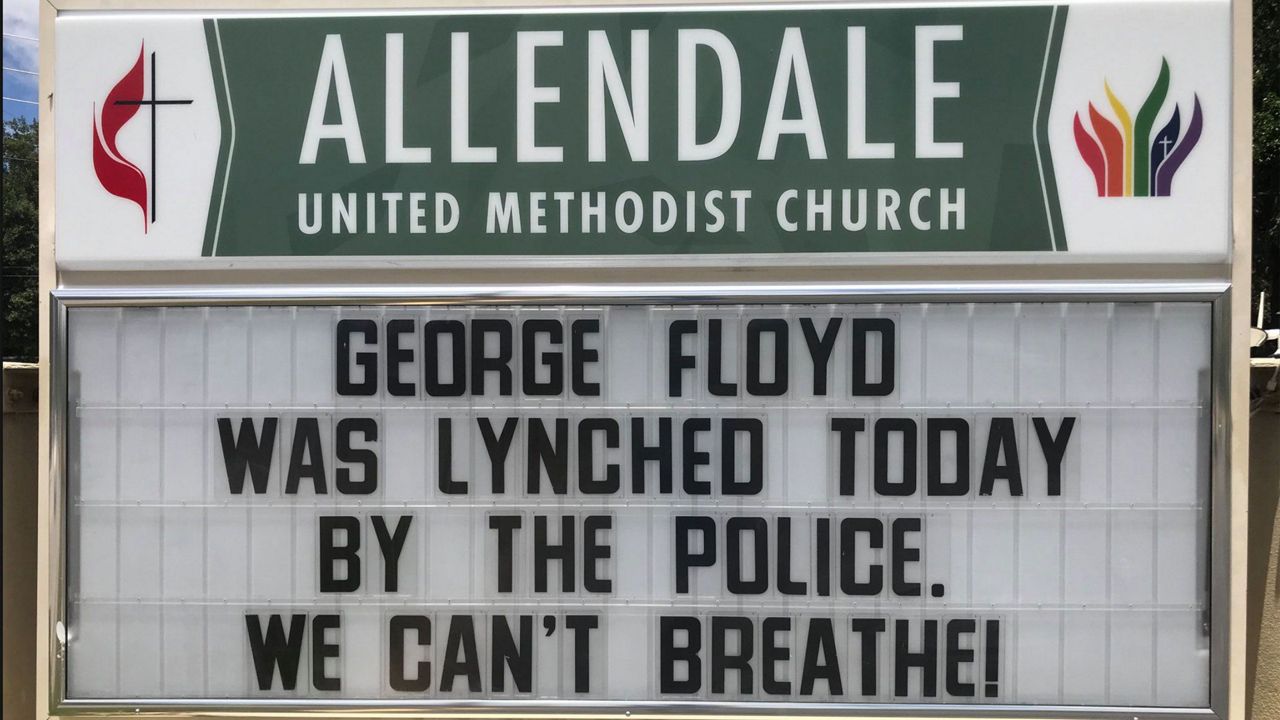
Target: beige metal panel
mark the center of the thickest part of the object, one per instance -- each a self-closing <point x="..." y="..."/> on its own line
<point x="1264" y="543"/>
<point x="18" y="486"/>
<point x="579" y="272"/>
<point x="47" y="282"/>
<point x="1238" y="354"/>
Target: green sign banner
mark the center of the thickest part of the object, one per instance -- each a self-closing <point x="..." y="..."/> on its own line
<point x="645" y="132"/>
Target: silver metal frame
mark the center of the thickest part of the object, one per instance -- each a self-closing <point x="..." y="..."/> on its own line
<point x="1217" y="293"/>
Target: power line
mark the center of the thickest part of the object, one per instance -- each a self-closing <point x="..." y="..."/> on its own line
<point x="11" y="36"/>
<point x="19" y="100"/>
<point x="24" y="72"/>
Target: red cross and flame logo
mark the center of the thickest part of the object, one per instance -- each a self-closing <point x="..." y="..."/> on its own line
<point x="117" y="174"/>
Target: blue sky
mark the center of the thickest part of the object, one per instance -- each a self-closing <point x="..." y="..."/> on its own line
<point x="21" y="18"/>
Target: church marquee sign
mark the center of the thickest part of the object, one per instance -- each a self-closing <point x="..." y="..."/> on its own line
<point x="299" y="465"/>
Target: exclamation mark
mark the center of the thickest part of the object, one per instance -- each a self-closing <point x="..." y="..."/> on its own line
<point x="993" y="658"/>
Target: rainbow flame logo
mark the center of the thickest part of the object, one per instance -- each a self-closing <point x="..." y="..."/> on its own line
<point x="1126" y="158"/>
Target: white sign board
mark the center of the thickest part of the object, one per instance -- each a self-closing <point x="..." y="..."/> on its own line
<point x="1081" y="132"/>
<point x="1000" y="503"/>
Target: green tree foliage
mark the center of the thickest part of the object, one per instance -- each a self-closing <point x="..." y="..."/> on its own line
<point x="20" y="245"/>
<point x="1266" y="156"/>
